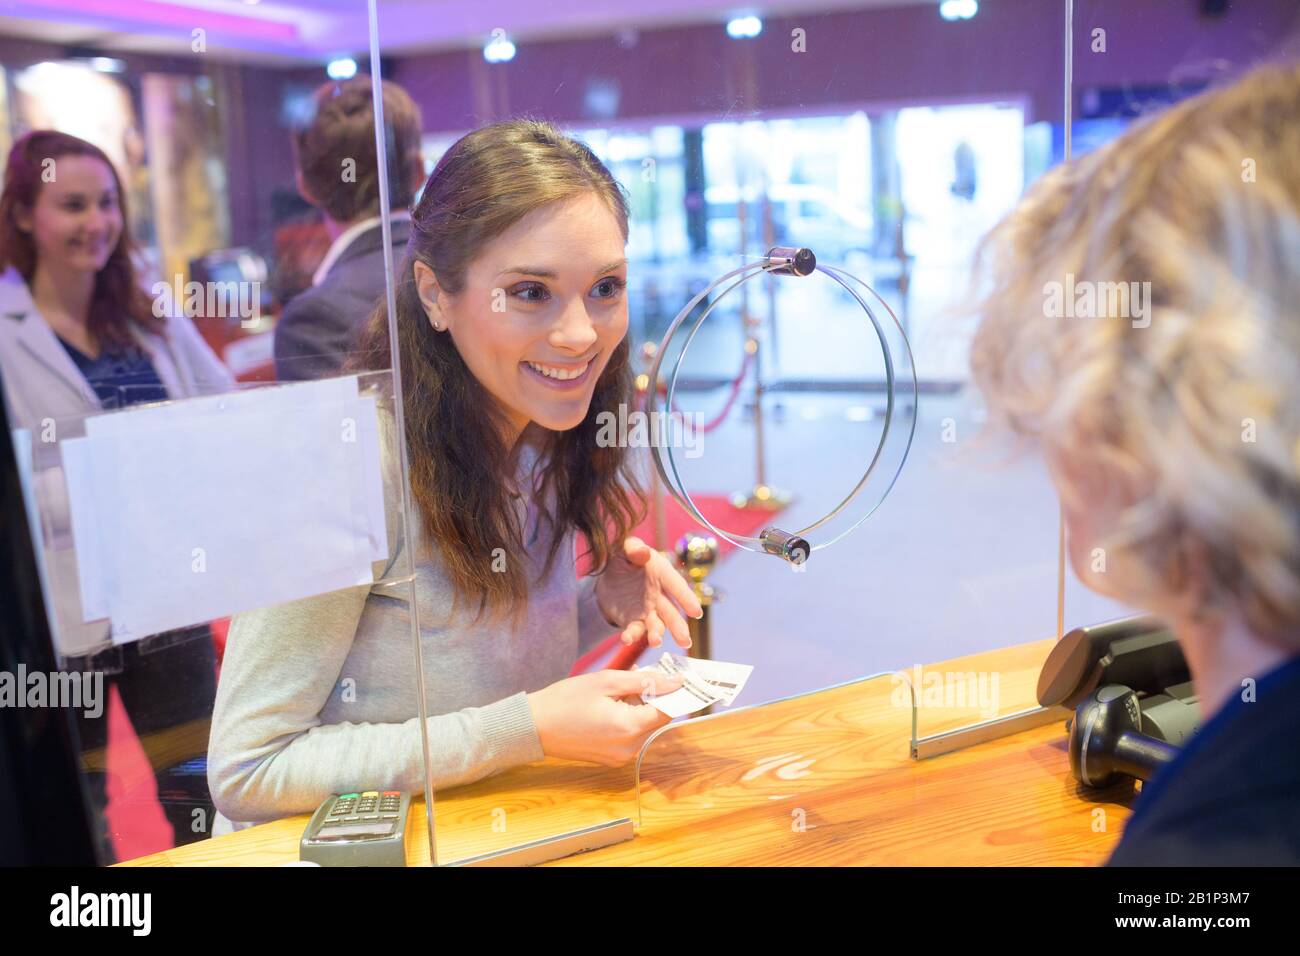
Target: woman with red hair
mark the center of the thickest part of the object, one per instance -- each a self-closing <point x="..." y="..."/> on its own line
<point x="79" y="335"/>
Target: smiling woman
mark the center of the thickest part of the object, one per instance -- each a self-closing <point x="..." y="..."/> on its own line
<point x="511" y="334"/>
<point x="510" y="311"/>
<point x="64" y="198"/>
<point x="553" y="325"/>
<point x="78" y="335"/>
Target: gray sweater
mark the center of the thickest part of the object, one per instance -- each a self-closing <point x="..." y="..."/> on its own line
<point x="318" y="696"/>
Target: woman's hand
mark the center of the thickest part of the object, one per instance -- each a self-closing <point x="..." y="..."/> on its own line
<point x="599" y="717"/>
<point x="641" y="592"/>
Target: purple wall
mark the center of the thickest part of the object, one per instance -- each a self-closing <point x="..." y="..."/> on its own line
<point x="259" y="156"/>
<point x="883" y="57"/>
<point x="1159" y="41"/>
<point x="1012" y="49"/>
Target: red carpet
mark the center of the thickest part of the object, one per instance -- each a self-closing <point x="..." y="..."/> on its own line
<point x="136" y="824"/>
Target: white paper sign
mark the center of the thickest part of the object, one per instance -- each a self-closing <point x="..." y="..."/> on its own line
<point x="197" y="509"/>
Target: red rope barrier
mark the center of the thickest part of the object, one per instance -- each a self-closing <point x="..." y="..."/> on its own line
<point x="726" y="406"/>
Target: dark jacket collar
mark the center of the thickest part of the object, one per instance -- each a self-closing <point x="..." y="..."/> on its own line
<point x="1240" y="767"/>
<point x="372" y="240"/>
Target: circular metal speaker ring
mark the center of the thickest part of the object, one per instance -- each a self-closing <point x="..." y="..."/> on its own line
<point x="794" y="546"/>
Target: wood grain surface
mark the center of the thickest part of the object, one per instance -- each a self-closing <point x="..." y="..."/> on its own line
<point x="824" y="778"/>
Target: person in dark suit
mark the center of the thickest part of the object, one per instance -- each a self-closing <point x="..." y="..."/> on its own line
<point x="1167" y="402"/>
<point x="338" y="173"/>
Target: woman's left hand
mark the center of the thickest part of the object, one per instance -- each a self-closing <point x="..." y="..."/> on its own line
<point x="643" y="593"/>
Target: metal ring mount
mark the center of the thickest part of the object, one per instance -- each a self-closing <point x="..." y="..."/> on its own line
<point x="793" y="547"/>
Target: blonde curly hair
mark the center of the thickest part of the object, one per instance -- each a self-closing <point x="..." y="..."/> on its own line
<point x="1191" y="418"/>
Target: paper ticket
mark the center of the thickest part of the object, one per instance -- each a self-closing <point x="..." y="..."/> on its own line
<point x="703" y="683"/>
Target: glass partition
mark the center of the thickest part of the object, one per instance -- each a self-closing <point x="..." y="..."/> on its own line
<point x="1130" y="63"/>
<point x="250" y="541"/>
<point x="887" y="139"/>
<point x="217" y="528"/>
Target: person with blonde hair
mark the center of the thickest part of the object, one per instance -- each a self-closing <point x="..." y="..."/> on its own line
<point x="1139" y="319"/>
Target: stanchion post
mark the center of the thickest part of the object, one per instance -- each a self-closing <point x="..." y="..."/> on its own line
<point x="697" y="553"/>
<point x="657" y="513"/>
<point x="762" y="495"/>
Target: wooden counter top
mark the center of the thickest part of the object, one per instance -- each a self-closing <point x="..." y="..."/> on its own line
<point x="824" y="778"/>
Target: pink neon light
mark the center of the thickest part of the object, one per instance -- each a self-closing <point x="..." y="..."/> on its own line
<point x="148" y="13"/>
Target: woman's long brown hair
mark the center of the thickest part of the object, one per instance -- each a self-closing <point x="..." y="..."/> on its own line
<point x="118" y="299"/>
<point x="486" y="182"/>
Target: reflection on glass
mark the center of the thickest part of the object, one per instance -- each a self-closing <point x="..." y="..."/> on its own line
<point x="888" y="139"/>
<point x="82" y="336"/>
<point x="1114" y="88"/>
<point x="153" y="233"/>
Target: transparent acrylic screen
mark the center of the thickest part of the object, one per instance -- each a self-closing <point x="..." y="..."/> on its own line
<point x="767" y="140"/>
<point x="204" y="503"/>
<point x="888" y="140"/>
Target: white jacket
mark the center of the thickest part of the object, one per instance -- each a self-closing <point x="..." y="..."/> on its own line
<point x="42" y="381"/>
<point x="43" y="388"/>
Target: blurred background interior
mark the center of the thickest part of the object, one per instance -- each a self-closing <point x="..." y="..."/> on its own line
<point x="886" y="135"/>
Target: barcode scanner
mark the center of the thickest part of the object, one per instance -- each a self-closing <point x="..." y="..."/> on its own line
<point x="1106" y="739"/>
